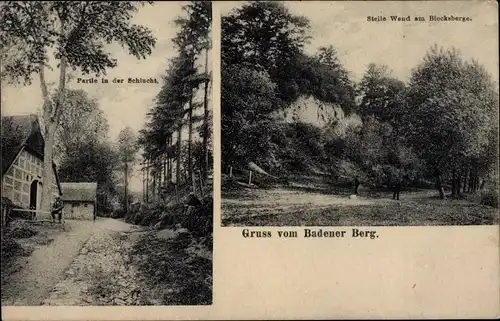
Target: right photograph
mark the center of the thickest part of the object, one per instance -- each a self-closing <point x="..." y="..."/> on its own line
<point x="359" y="114"/>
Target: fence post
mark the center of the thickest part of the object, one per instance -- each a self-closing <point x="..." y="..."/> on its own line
<point x="250" y="178"/>
<point x="230" y="171"/>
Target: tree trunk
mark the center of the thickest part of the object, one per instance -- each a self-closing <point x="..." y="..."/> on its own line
<point x="454" y="183"/>
<point x="164" y="171"/>
<point x="143" y="182"/>
<point x="439" y="186"/>
<point x="459" y="181"/>
<point x="205" y="122"/>
<point x="469" y="182"/>
<point x="171" y="162"/>
<point x="483" y="182"/>
<point x="466" y="173"/>
<point x="51" y="115"/>
<point x="178" y="165"/>
<point x="472" y="181"/>
<point x="147" y="180"/>
<point x="167" y="172"/>
<point x="48" y="176"/>
<point x="356" y="186"/>
<point x="126" y="188"/>
<point x="190" y="139"/>
<point x="154" y="173"/>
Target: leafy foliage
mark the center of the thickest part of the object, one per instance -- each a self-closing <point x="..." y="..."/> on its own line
<point x="78" y="31"/>
<point x="450" y="109"/>
<point x="441" y="126"/>
<point x="194" y="34"/>
<point x="248" y="99"/>
<point x="265" y="70"/>
<point x="181" y="81"/>
<point x="380" y="94"/>
<point x="127" y="145"/>
<point x="75" y="35"/>
<point x="93" y="162"/>
<point x="81" y="121"/>
<point x="262" y="35"/>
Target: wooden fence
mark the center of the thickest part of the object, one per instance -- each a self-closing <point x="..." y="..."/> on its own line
<point x="9" y="214"/>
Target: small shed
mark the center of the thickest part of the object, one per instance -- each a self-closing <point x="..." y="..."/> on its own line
<point x="80" y="200"/>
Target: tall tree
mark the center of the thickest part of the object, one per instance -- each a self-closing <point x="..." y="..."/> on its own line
<point x="127" y="150"/>
<point x="172" y="98"/>
<point x="448" y="111"/>
<point x="248" y="100"/>
<point x="166" y="120"/>
<point x="76" y="34"/>
<point x="380" y="93"/>
<point x="266" y="36"/>
<point x="262" y="34"/>
<point x="192" y="39"/>
<point x="81" y="121"/>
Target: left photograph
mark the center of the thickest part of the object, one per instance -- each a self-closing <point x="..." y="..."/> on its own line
<point x="106" y="122"/>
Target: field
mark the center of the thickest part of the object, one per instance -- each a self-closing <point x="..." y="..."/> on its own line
<point x="307" y="206"/>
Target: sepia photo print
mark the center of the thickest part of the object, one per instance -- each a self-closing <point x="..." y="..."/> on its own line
<point x="106" y="153"/>
<point x="384" y="114"/>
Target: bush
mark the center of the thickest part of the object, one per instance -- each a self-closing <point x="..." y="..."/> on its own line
<point x="200" y="222"/>
<point x="490" y="198"/>
<point x="10" y="248"/>
<point x="20" y="232"/>
<point x="171" y="215"/>
<point x="230" y="183"/>
<point x="118" y="213"/>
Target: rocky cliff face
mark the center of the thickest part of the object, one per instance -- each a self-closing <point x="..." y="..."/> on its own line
<point x="313" y="111"/>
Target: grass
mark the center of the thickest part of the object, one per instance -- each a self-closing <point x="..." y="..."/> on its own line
<point x="416" y="210"/>
<point x="171" y="271"/>
<point x="101" y="290"/>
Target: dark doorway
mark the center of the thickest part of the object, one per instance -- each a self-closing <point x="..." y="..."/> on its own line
<point x="33" y="194"/>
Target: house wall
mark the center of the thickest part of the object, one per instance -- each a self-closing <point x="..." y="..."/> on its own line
<point x="78" y="210"/>
<point x="16" y="182"/>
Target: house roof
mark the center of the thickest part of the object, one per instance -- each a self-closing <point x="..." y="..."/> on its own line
<point x="18" y="132"/>
<point x="79" y="191"/>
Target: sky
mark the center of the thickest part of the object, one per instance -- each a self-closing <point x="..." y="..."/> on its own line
<point x="400" y="45"/>
<point x="123" y="104"/>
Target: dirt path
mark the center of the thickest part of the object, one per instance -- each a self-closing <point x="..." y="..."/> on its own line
<point x="48" y="265"/>
<point x="282" y="200"/>
<point x="294" y="207"/>
<point x="101" y="273"/>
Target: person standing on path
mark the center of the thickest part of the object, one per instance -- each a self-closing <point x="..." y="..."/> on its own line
<point x="396" y="190"/>
<point x="57" y="209"/>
